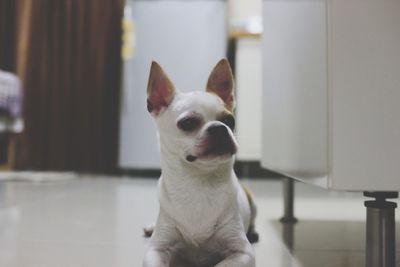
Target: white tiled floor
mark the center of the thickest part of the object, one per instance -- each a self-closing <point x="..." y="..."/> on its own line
<point x="53" y="220"/>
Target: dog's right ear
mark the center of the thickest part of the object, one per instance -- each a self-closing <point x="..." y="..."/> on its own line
<point x="160" y="90"/>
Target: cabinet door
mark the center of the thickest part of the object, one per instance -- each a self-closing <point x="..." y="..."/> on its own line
<point x="295" y="137"/>
<point x="365" y="75"/>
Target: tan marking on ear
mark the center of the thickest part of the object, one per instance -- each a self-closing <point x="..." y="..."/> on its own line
<point x="227" y="108"/>
<point x="225" y="113"/>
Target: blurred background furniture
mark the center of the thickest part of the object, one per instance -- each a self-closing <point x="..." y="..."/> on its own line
<point x="10" y="115"/>
<point x="245" y="42"/>
<point x="331" y="80"/>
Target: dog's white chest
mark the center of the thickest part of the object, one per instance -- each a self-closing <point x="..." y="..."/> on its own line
<point x="198" y="212"/>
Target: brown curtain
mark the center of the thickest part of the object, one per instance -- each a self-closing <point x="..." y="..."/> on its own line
<point x="7" y="35"/>
<point x="69" y="61"/>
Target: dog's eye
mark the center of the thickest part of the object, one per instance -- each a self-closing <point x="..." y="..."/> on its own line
<point x="229" y="121"/>
<point x="189" y="124"/>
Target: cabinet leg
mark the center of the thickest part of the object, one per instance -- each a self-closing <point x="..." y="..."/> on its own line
<point x="381" y="231"/>
<point x="288" y="198"/>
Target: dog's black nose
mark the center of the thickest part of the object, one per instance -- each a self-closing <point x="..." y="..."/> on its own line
<point x="220" y="141"/>
<point x="217" y="131"/>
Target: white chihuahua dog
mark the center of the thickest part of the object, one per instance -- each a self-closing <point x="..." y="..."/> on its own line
<point x="206" y="217"/>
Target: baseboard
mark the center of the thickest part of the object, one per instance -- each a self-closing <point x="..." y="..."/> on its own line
<point x="145" y="173"/>
<point x="253" y="169"/>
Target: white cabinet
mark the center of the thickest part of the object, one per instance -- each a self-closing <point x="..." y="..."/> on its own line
<point x="248" y="95"/>
<point x="331" y="92"/>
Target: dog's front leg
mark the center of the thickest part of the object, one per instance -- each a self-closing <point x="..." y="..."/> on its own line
<point x="241" y="254"/>
<point x="163" y="244"/>
<point x="157" y="257"/>
<point x="238" y="259"/>
<point x="161" y="251"/>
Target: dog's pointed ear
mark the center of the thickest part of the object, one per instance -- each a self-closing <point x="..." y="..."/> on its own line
<point x="160" y="90"/>
<point x="221" y="83"/>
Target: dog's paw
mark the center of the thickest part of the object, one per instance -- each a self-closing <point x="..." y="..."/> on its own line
<point x="148" y="231"/>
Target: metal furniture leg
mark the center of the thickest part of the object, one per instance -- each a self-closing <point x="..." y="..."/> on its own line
<point x="288" y="198"/>
<point x="288" y="235"/>
<point x="381" y="233"/>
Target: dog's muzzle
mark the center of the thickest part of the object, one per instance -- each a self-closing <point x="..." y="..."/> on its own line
<point x="217" y="143"/>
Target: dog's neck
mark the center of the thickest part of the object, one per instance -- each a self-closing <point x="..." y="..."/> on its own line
<point x="173" y="167"/>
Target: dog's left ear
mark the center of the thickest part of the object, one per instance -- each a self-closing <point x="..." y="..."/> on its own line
<point x="221" y="83"/>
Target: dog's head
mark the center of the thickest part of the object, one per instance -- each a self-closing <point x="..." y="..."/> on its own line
<point x="196" y="127"/>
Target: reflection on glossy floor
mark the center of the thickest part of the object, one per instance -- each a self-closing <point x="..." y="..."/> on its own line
<point x="53" y="220"/>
